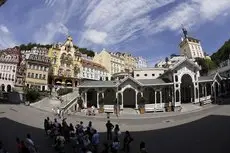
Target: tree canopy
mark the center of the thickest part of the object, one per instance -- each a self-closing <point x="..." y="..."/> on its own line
<point x="222" y="54"/>
<point x="206" y="64"/>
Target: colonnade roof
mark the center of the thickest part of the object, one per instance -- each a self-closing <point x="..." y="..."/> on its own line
<point x="142" y="82"/>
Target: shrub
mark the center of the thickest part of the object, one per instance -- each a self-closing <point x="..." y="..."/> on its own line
<point x="32" y="95"/>
<point x="64" y="91"/>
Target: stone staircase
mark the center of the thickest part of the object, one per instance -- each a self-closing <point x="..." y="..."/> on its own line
<point x="69" y="100"/>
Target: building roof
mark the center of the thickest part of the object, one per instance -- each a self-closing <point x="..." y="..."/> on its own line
<point x="38" y="58"/>
<point x="99" y="84"/>
<point x="205" y="78"/>
<point x="88" y="63"/>
<point x="142" y="82"/>
<point x="153" y="82"/>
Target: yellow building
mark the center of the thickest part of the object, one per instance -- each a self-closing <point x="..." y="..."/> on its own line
<point x="65" y="62"/>
<point x="116" y="62"/>
<point x="37" y="69"/>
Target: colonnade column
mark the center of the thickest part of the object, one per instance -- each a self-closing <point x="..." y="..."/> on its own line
<point x="155" y="97"/>
<point x="122" y="101"/>
<point x="85" y="99"/>
<point x="205" y="92"/>
<point x="136" y="92"/>
<point x="161" y="97"/>
<point x="98" y="99"/>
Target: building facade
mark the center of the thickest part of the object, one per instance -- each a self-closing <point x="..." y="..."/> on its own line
<point x="37" y="70"/>
<point x="178" y="85"/>
<point x="9" y="60"/>
<point x="93" y="71"/>
<point x="65" y="63"/>
<point x="141" y="62"/>
<point x="36" y="51"/>
<point x="148" y="73"/>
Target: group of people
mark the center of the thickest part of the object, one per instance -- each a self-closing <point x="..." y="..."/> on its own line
<point x="86" y="139"/>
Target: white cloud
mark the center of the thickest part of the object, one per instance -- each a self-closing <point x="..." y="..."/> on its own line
<point x="95" y="36"/>
<point x="190" y="14"/>
<point x="121" y="19"/>
<point x="4" y="29"/>
<point x="6" y="39"/>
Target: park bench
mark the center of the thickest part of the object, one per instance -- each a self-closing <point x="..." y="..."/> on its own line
<point x="149" y="107"/>
<point x="108" y="108"/>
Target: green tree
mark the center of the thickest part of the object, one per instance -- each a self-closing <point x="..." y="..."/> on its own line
<point x="222" y="54"/>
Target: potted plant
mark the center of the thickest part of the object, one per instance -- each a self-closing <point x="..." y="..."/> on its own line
<point x="101" y="105"/>
<point x="80" y="103"/>
<point x="169" y="107"/>
<point x="141" y="105"/>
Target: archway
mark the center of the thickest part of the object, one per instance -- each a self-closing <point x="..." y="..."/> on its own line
<point x="3" y="87"/>
<point x="148" y="94"/>
<point x="187" y="89"/>
<point x="129" y="98"/>
<point x="110" y="96"/>
<point x="92" y="97"/>
<point x="8" y="88"/>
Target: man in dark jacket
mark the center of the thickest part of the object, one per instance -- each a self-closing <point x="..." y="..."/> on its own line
<point x="109" y="127"/>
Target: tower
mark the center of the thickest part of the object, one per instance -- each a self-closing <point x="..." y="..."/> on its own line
<point x="190" y="47"/>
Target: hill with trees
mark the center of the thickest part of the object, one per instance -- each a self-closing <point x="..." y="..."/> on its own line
<point x="222" y="54"/>
<point x="29" y="46"/>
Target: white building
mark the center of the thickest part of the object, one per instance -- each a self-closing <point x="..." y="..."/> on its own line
<point x="141" y="62"/>
<point x="191" y="48"/>
<point x="36" y="51"/>
<point x="8" y="68"/>
<point x="93" y="71"/>
<point x="148" y="73"/>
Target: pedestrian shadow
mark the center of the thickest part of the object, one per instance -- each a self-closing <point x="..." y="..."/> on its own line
<point x="210" y="134"/>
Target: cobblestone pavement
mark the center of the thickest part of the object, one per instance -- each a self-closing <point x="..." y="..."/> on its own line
<point x="200" y="132"/>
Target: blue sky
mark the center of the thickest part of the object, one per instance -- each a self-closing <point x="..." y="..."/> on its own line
<point x="148" y="28"/>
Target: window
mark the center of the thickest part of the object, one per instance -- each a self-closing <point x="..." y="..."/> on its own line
<point x="146" y="75"/>
<point x="32" y="75"/>
<point x="44" y="76"/>
<point x="153" y="74"/>
<point x="137" y="75"/>
<point x="40" y="76"/>
<point x="36" y="76"/>
<point x="31" y="66"/>
<point x="28" y="75"/>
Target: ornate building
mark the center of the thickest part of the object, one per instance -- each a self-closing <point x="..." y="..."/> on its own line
<point x="65" y="63"/>
<point x="9" y="60"/>
<point x="178" y="84"/>
<point x="37" y="69"/>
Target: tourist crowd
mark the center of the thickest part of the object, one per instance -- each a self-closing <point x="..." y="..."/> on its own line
<point x="83" y="139"/>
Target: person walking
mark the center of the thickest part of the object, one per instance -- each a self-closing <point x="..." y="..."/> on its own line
<point x="109" y="127"/>
<point x="95" y="141"/>
<point x="23" y="148"/>
<point x="29" y="143"/>
<point x="127" y="140"/>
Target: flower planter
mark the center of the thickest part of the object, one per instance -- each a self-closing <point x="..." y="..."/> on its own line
<point x="169" y="108"/>
<point x="142" y="110"/>
<point x="101" y="110"/>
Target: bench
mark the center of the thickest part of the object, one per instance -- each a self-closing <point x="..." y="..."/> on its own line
<point x="108" y="108"/>
<point x="149" y="107"/>
<point x="159" y="108"/>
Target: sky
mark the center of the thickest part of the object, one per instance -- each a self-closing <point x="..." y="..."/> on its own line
<point x="148" y="28"/>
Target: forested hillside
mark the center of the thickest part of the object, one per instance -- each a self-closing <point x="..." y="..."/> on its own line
<point x="222" y="54"/>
